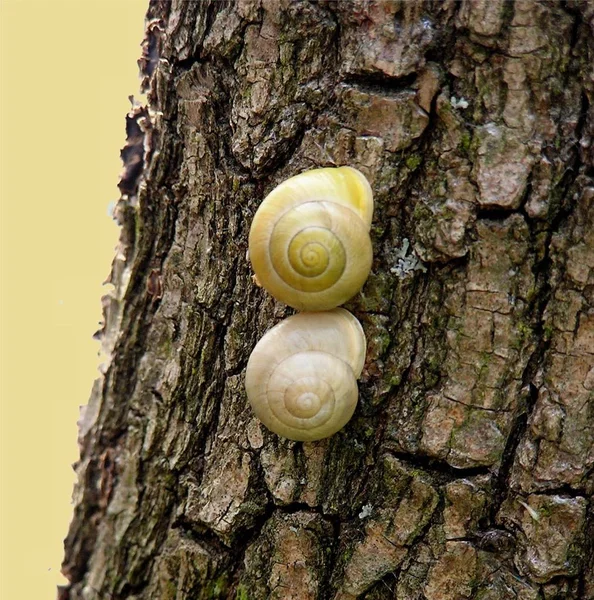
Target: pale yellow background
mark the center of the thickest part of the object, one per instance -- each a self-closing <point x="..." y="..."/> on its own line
<point x="67" y="68"/>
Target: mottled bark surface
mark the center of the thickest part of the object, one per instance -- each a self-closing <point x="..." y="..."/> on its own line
<point x="467" y="470"/>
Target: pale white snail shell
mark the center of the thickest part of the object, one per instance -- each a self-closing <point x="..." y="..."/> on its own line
<point x="301" y="378"/>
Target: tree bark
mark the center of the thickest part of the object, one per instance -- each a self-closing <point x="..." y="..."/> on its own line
<point x="467" y="470"/>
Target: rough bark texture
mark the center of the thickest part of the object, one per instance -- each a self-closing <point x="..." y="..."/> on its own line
<point x="467" y="470"/>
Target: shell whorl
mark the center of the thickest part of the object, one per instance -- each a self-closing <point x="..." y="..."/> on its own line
<point x="309" y="241"/>
<point x="301" y="378"/>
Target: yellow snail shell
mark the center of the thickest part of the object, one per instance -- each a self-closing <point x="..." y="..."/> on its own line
<point x="301" y="377"/>
<point x="309" y="242"/>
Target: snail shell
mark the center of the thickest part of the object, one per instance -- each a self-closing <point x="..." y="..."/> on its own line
<point x="301" y="378"/>
<point x="309" y="243"/>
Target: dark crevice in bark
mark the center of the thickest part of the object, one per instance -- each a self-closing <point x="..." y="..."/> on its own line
<point x="525" y="198"/>
<point x="564" y="491"/>
<point x="494" y="214"/>
<point x="588" y="569"/>
<point x="492" y="410"/>
<point x="493" y="539"/>
<point x="203" y="536"/>
<point x="295" y="507"/>
<point x="238" y="557"/>
<point x="441" y="469"/>
<point x="326" y="588"/>
<point x="579" y="132"/>
<point x="284" y="153"/>
<point x="213" y="7"/>
<point x="542" y="272"/>
<point x="441" y="53"/>
<point x="501" y="483"/>
<point x="378" y="83"/>
<point x="385" y="588"/>
<point x="537" y="307"/>
<point x="122" y="376"/>
<point x="184" y="65"/>
<point x="577" y="23"/>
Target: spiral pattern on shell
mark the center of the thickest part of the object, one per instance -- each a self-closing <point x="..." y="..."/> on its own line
<point x="309" y="241"/>
<point x="301" y="378"/>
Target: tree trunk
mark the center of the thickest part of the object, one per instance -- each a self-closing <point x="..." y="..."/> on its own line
<point x="467" y="470"/>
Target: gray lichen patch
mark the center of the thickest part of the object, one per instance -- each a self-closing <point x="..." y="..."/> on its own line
<point x="406" y="262"/>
